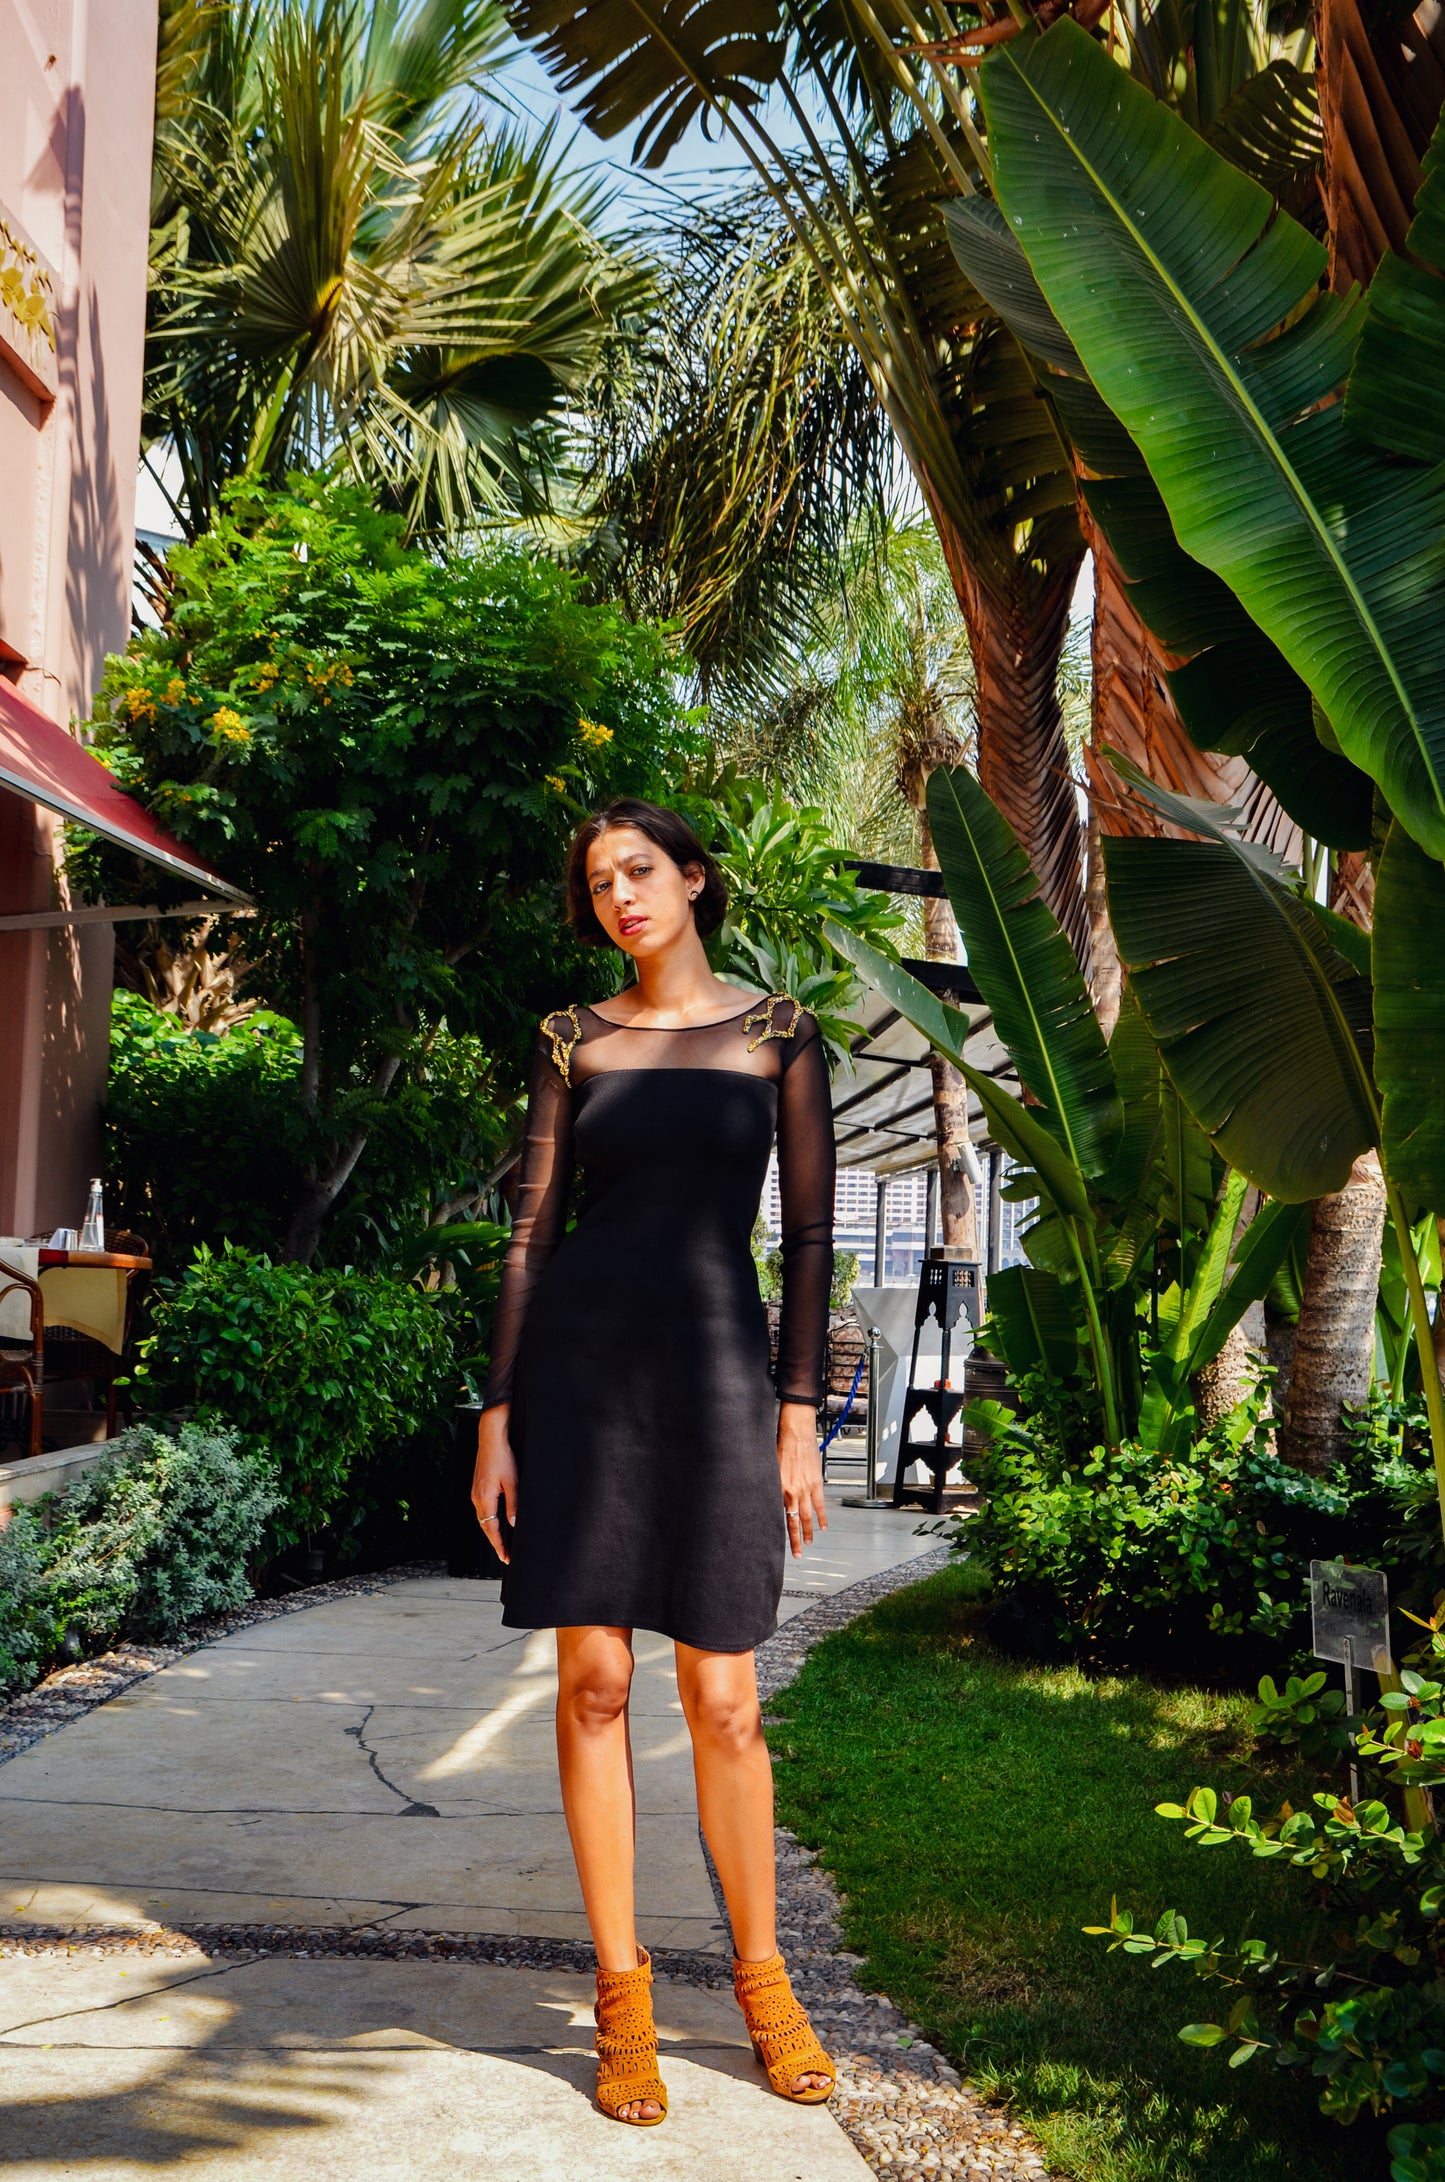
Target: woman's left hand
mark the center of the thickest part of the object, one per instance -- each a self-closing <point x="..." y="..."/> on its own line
<point x="802" y="1474"/>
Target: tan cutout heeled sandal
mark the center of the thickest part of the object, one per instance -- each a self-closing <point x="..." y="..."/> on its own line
<point x="627" y="2044"/>
<point x="783" y="2038"/>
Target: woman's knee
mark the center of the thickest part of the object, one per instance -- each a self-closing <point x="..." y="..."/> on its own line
<point x="725" y="1719"/>
<point x="594" y="1684"/>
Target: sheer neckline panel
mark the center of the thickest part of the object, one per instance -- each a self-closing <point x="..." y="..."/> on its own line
<point x="673" y="1030"/>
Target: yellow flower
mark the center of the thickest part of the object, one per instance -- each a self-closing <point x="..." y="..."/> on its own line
<point x="175" y="691"/>
<point x="594" y="734"/>
<point x="267" y="677"/>
<point x="557" y="786"/>
<point x="140" y="704"/>
<point x="228" y="726"/>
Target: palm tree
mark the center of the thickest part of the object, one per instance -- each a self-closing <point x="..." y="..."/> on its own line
<point x="353" y="265"/>
<point x="987" y="461"/>
<point x="883" y="694"/>
<point x="737" y="447"/>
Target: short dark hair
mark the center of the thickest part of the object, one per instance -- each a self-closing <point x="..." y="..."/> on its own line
<point x="672" y="834"/>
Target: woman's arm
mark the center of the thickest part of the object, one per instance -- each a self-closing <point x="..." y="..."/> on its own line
<point x="546" y="1171"/>
<point x="807" y="1165"/>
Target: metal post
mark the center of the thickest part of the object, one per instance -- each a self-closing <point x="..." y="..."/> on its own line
<point x="870" y="1498"/>
<point x="875" y="1345"/>
<point x="995" y="1209"/>
<point x="880" y="1231"/>
<point x="1349" y="1709"/>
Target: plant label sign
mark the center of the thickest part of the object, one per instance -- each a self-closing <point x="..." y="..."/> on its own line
<point x="1350" y="1609"/>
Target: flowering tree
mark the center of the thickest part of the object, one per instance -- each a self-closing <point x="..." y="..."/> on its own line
<point x="387" y="750"/>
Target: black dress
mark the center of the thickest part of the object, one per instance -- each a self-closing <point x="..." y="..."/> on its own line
<point x="634" y="1349"/>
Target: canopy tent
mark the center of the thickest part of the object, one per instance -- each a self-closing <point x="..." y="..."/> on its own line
<point x="40" y="760"/>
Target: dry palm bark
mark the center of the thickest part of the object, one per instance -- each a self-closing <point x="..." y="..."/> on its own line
<point x="1134" y="714"/>
<point x="1380" y="92"/>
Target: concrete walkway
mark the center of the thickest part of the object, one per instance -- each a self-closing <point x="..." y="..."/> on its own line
<point x="377" y="1762"/>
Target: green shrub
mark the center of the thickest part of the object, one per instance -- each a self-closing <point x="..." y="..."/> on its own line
<point x="203" y="1135"/>
<point x="1131" y="1549"/>
<point x="1363" y="2008"/>
<point x="206" y="1141"/>
<point x="156" y="1533"/>
<point x="337" y="1373"/>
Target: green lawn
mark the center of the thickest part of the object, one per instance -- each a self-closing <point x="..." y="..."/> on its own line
<point x="976" y="1813"/>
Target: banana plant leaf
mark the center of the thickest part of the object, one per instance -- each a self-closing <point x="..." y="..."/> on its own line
<point x="1408" y="961"/>
<point x="1174" y="274"/>
<point x="1185" y="1182"/>
<point x="1026" y="970"/>
<point x="1267" y="1244"/>
<point x="1213" y="1306"/>
<point x="1033" y="1321"/>
<point x="1237" y="694"/>
<point x="1270" y="128"/>
<point x="1166" y="1410"/>
<point x="1263" y="1025"/>
<point x="1129" y="1185"/>
<point x="1053" y="1175"/>
<point x="1393" y="398"/>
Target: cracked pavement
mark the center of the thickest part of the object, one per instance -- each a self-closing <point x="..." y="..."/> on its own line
<point x="261" y="1781"/>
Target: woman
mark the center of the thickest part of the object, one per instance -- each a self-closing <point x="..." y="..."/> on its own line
<point x="635" y="1467"/>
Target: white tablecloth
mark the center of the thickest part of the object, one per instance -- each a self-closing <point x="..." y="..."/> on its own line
<point x="15" y="1307"/>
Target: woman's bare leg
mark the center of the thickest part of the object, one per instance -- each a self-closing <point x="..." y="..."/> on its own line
<point x="719" y="1692"/>
<point x="594" y="1758"/>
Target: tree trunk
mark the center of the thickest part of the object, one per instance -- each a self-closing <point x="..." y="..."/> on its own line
<point x="1222" y="1385"/>
<point x="1334" y="1349"/>
<point x="1107" y="984"/>
<point x="958" y="1213"/>
<point x="1016" y="637"/>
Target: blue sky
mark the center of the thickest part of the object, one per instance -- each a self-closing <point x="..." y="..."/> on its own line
<point x="696" y="160"/>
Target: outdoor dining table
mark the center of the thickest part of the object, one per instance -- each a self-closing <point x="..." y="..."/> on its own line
<point x="85" y="1298"/>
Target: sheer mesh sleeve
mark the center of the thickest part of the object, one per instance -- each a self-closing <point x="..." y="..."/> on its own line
<point x="806" y="1167"/>
<point x="540" y="1209"/>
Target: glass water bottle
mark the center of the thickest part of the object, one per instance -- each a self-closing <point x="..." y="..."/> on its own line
<point x="92" y="1234"/>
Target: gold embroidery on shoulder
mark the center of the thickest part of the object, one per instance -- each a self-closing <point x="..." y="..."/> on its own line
<point x="563" y="1046"/>
<point x="770" y="1029"/>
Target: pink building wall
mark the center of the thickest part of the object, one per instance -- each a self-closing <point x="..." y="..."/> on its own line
<point x="77" y="94"/>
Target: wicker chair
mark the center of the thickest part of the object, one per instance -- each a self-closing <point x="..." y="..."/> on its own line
<point x="22" y="1363"/>
<point x="75" y="1355"/>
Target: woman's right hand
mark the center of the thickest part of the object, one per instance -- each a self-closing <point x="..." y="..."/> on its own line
<point x="495" y="1476"/>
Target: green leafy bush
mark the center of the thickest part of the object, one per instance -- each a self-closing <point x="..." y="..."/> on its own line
<point x="156" y="1533"/>
<point x="338" y="1373"/>
<point x="1126" y="1549"/>
<point x="207" y="1139"/>
<point x="203" y="1132"/>
<point x="1363" y="2009"/>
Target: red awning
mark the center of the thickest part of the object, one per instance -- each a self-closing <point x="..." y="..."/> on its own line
<point x="40" y="760"/>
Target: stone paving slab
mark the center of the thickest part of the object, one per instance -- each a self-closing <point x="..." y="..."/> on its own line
<point x="384" y="1757"/>
<point x="338" y="2069"/>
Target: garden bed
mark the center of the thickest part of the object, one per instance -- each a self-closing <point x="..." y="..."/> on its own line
<point x="976" y="1813"/>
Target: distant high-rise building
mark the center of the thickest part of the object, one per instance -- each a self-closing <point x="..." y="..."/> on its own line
<point x="855" y="1211"/>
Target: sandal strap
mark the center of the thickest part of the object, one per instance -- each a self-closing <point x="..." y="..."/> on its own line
<point x="626" y="2039"/>
<point x="778" y="2023"/>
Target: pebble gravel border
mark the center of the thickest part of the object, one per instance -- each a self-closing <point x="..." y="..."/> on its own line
<point x="904" y="2106"/>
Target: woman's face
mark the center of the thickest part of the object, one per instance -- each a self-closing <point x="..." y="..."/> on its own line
<point x="641" y="898"/>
